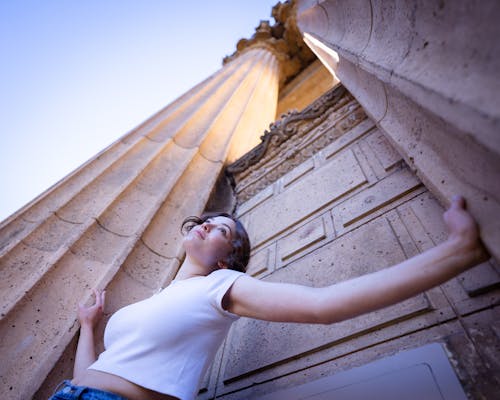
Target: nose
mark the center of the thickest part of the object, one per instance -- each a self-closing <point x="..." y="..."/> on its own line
<point x="205" y="226"/>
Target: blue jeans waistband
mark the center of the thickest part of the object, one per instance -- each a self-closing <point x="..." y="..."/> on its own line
<point x="67" y="391"/>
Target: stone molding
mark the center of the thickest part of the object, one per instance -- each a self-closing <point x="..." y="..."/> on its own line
<point x="288" y="142"/>
<point x="283" y="39"/>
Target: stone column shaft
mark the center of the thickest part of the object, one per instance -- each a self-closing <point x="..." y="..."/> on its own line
<point x="115" y="221"/>
<point x="427" y="74"/>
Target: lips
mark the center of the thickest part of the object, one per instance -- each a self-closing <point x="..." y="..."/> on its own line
<point x="199" y="233"/>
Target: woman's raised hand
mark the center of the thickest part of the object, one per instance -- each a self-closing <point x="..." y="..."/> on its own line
<point x="463" y="228"/>
<point x="90" y="316"/>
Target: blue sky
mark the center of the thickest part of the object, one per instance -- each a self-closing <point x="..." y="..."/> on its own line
<point x="77" y="75"/>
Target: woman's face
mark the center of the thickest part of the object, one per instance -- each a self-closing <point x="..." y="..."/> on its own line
<point x="210" y="242"/>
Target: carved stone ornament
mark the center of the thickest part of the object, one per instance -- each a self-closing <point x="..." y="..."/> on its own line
<point x="283" y="39"/>
<point x="294" y="138"/>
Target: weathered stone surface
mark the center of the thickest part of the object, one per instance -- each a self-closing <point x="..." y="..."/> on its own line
<point x="384" y="192"/>
<point x="193" y="131"/>
<point x="318" y="188"/>
<point x="248" y="110"/>
<point x="132" y="209"/>
<point x="310" y="84"/>
<point x="295" y="138"/>
<point x="256" y="200"/>
<point x="301" y="238"/>
<point x="297" y="172"/>
<point x="11" y="234"/>
<point x="188" y="197"/>
<point x="262" y="261"/>
<point x="148" y="268"/>
<point x="95" y="197"/>
<point x="179" y="113"/>
<point x="364" y="250"/>
<point x="382" y="149"/>
<point x="429" y="80"/>
<point x="395" y="200"/>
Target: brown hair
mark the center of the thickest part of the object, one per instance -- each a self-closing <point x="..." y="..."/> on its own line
<point x="240" y="255"/>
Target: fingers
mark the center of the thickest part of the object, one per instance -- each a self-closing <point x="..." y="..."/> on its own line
<point x="103" y="299"/>
<point x="457" y="202"/>
<point x="100" y="297"/>
<point x="97" y="296"/>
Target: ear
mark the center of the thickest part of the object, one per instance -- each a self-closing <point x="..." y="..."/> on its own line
<point x="221" y="265"/>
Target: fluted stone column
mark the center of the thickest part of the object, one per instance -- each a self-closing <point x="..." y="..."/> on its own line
<point x="115" y="221"/>
<point x="427" y="74"/>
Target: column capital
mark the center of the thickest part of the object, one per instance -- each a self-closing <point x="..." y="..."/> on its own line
<point x="283" y="39"/>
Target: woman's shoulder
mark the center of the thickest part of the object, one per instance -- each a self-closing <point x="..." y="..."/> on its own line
<point x="224" y="274"/>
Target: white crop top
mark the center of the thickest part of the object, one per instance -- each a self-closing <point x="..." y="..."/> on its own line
<point x="167" y="342"/>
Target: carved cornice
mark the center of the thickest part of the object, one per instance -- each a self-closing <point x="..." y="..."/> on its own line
<point x="283" y="39"/>
<point x="293" y="139"/>
<point x="284" y="128"/>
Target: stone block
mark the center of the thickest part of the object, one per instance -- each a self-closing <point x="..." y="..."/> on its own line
<point x="262" y="261"/>
<point x="298" y="172"/>
<point x="318" y="189"/>
<point x="383" y="150"/>
<point x="300" y="239"/>
<point x="348" y="138"/>
<point x="480" y="279"/>
<point x="471" y="290"/>
<point x="254" y="201"/>
<point x="384" y="192"/>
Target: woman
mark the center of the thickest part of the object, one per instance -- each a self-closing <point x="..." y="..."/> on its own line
<point x="161" y="347"/>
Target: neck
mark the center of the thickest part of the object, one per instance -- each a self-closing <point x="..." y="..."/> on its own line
<point x="189" y="269"/>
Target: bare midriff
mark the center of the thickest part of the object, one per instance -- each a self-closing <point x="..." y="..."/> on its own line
<point x="115" y="384"/>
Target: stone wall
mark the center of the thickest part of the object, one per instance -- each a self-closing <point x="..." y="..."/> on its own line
<point x="326" y="198"/>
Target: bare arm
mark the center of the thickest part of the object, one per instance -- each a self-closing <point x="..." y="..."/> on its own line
<point x="285" y="302"/>
<point x="88" y="317"/>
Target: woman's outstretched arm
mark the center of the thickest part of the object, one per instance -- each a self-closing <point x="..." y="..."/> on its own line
<point x="88" y="317"/>
<point x="287" y="302"/>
